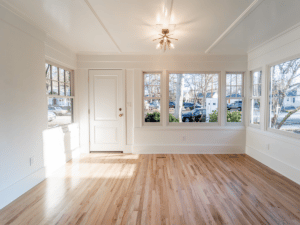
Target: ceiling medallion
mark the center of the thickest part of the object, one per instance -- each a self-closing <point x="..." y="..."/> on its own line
<point x="165" y="42"/>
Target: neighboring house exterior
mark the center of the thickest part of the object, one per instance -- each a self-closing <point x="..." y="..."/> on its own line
<point x="211" y="102"/>
<point x="292" y="99"/>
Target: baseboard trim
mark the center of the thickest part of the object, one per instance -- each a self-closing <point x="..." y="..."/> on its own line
<point x="188" y="149"/>
<point x="275" y="164"/>
<point x="17" y="189"/>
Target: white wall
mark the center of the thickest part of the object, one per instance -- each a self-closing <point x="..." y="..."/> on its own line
<point x="165" y="139"/>
<point x="23" y="108"/>
<point x="279" y="152"/>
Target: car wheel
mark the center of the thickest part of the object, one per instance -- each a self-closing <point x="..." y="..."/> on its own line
<point x="240" y="109"/>
<point x="187" y="120"/>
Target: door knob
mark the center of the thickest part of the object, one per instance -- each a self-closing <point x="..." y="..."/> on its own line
<point x="120" y="115"/>
<point x="120" y="109"/>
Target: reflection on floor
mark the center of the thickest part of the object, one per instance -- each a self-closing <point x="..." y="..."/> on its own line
<point x="159" y="189"/>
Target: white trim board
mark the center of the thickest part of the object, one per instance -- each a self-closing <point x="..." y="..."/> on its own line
<point x="275" y="164"/>
<point x="188" y="149"/>
<point x="17" y="189"/>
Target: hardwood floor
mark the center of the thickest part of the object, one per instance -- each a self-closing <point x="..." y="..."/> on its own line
<point x="159" y="189"/>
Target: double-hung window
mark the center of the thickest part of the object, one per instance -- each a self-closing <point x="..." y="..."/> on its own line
<point x="152" y="98"/>
<point x="59" y="90"/>
<point x="234" y="97"/>
<point x="284" y="115"/>
<point x="255" y="95"/>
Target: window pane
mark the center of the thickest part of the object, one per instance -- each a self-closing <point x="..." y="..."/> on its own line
<point x="234" y="110"/>
<point x="54" y="73"/>
<point x="61" y="89"/>
<point x="255" y="90"/>
<point x="193" y="98"/>
<point x="47" y="71"/>
<point x="255" y="111"/>
<point x="227" y="91"/>
<point x="233" y="91"/>
<point x="60" y="111"/>
<point x="54" y="88"/>
<point x="256" y="78"/>
<point x="48" y="87"/>
<point x="233" y="79"/>
<point x="61" y="75"/>
<point x="259" y="90"/>
<point x="285" y="84"/>
<point x="239" y="79"/>
<point x="67" y="77"/>
<point x="228" y="79"/>
<point x="152" y="110"/>
<point x="68" y="90"/>
<point x="239" y="91"/>
<point x="152" y="85"/>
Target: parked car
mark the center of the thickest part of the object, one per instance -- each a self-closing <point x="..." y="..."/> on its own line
<point x="154" y="105"/>
<point x="196" y="115"/>
<point x="191" y="105"/>
<point x="57" y="110"/>
<point x="229" y="106"/>
<point x="237" y="105"/>
<point x="287" y="108"/>
<point x="171" y="104"/>
<point x="51" y="116"/>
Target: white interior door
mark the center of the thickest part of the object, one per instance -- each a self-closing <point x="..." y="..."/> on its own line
<point x="107" y="119"/>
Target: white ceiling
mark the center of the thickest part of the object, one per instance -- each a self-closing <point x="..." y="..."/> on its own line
<point x="129" y="26"/>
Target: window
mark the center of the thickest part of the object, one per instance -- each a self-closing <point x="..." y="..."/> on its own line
<point x="193" y="97"/>
<point x="284" y="84"/>
<point x="60" y="96"/>
<point x="152" y="97"/>
<point x="255" y="95"/>
<point x="234" y="97"/>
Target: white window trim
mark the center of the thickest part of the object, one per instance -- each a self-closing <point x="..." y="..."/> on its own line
<point x="242" y="123"/>
<point x="147" y="124"/>
<point x="267" y="96"/>
<point x="168" y="124"/>
<point x="257" y="126"/>
<point x="72" y="94"/>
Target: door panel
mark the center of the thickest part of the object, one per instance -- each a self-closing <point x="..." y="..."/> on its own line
<point x="107" y="118"/>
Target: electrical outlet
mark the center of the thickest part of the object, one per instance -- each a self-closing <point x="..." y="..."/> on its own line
<point x="31" y="161"/>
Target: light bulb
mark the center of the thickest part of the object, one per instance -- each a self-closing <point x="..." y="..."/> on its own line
<point x="165" y="39"/>
<point x="158" y="46"/>
<point x="172" y="46"/>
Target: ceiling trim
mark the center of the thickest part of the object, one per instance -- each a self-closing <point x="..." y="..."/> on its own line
<point x="102" y="24"/>
<point x="250" y="8"/>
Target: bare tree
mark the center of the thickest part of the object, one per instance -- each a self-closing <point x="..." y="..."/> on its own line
<point x="179" y="97"/>
<point x="285" y="77"/>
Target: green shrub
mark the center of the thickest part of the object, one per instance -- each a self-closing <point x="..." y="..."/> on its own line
<point x="231" y="116"/>
<point x="153" y="117"/>
<point x="234" y="116"/>
<point x="173" y="118"/>
<point x="213" y="117"/>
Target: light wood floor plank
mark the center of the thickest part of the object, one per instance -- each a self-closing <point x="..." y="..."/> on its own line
<point x="159" y="189"/>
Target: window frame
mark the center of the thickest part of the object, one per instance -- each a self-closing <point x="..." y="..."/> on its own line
<point x="168" y="124"/>
<point x="72" y="92"/>
<point x="242" y="123"/>
<point x="146" y="124"/>
<point x="251" y="97"/>
<point x="267" y="95"/>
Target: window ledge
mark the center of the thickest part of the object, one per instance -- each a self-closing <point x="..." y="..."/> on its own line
<point x="238" y="127"/>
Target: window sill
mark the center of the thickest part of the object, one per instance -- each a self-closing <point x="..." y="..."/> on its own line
<point x="216" y="127"/>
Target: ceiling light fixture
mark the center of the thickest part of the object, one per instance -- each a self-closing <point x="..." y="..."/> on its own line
<point x="165" y="42"/>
